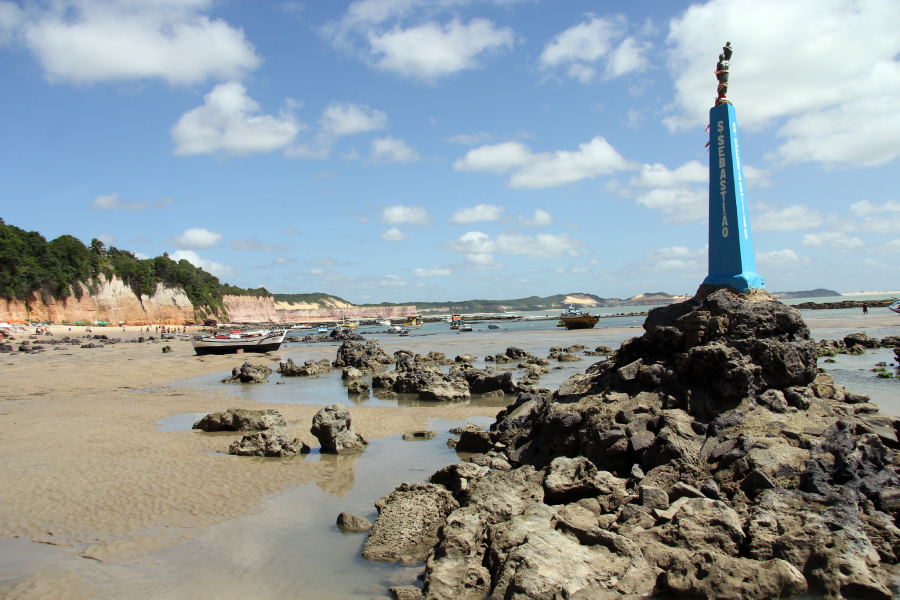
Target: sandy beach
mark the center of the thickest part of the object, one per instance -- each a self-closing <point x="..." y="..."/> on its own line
<point x="87" y="469"/>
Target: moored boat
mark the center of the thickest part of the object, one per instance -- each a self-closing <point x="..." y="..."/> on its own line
<point x="573" y="318"/>
<point x="248" y="341"/>
<point x="493" y="325"/>
<point x="895" y="306"/>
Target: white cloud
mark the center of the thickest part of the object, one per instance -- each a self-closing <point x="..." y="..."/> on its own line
<point x="470" y="139"/>
<point x="390" y="150"/>
<point x="255" y="244"/>
<point x="394" y="235"/>
<point x="323" y="261"/>
<point x="826" y="69"/>
<point x="290" y="231"/>
<point x="592" y="42"/>
<point x="107" y="238"/>
<point x="229" y="122"/>
<point x="865" y="216"/>
<point x="196" y="238"/>
<point x="87" y="41"/>
<point x="113" y="202"/>
<point x="394" y="215"/>
<point x="781" y="258"/>
<point x="545" y="169"/>
<point x="676" y="258"/>
<point x="659" y="176"/>
<point x="832" y="239"/>
<point x="430" y="51"/>
<point x="540" y="218"/>
<point x="482" y="262"/>
<point x="438" y="272"/>
<point x="141" y="256"/>
<point x="476" y="214"/>
<point x="680" y="205"/>
<point x="349" y="119"/>
<point x="543" y="245"/>
<point x="214" y="268"/>
<point x="792" y="218"/>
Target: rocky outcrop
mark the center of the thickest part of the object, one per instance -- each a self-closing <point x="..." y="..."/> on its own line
<point x="366" y="357"/>
<point x="408" y="518"/>
<point x="307" y="369"/>
<point x="238" y="419"/>
<point x="248" y="373"/>
<point x="111" y="300"/>
<point x="273" y="443"/>
<point x="707" y="458"/>
<point x="333" y="428"/>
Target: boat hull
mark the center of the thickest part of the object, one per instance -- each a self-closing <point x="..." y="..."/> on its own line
<point x="269" y="342"/>
<point x="580" y="322"/>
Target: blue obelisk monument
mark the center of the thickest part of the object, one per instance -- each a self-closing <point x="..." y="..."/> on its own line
<point x="731" y="260"/>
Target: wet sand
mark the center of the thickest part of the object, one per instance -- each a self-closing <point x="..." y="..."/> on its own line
<point x="87" y="469"/>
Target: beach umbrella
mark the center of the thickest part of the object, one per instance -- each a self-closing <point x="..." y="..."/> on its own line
<point x="121" y="322"/>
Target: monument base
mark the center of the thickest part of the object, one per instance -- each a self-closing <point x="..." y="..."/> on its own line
<point x="742" y="282"/>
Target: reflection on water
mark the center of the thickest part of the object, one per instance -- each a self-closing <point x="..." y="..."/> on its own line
<point x="180" y="422"/>
<point x="291" y="547"/>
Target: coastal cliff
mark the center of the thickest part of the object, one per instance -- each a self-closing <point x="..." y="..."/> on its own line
<point x="263" y="309"/>
<point x="111" y="300"/>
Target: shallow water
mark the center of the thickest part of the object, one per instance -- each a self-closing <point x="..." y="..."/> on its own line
<point x="290" y="547"/>
<point x="854" y="371"/>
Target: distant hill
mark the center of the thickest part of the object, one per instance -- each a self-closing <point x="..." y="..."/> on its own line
<point x="313" y="301"/>
<point x="816" y="293"/>
<point x="531" y="303"/>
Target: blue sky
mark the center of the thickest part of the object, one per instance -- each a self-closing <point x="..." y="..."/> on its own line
<point x="397" y="150"/>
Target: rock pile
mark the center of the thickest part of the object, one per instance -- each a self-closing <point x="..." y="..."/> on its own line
<point x="239" y="419"/>
<point x="855" y="343"/>
<point x="707" y="458"/>
<point x="274" y="442"/>
<point x="248" y="373"/>
<point x="366" y="358"/>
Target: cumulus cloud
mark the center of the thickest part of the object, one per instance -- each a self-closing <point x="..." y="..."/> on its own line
<point x="791" y="218"/>
<point x="394" y="235"/>
<point x="482" y="261"/>
<point x="416" y="215"/>
<point x="255" y="244"/>
<point x="229" y="121"/>
<point x="540" y="246"/>
<point x="781" y="258"/>
<point x="835" y="97"/>
<point x="88" y="41"/>
<point x="389" y="150"/>
<point x="470" y="139"/>
<point x="113" y="202"/>
<point x="212" y="267"/>
<point x="866" y="216"/>
<point x="540" y="218"/>
<point x="545" y="169"/>
<point x="196" y="238"/>
<point x="107" y="238"/>
<point x="349" y="119"/>
<point x="584" y="47"/>
<point x="832" y="239"/>
<point x="391" y="36"/>
<point x="680" y="194"/>
<point x="476" y="214"/>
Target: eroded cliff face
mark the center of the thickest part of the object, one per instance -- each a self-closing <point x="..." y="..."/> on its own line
<point x="113" y="301"/>
<point x="263" y="309"/>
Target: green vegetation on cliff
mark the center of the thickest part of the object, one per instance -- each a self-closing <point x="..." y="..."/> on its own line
<point x="29" y="264"/>
<point x="318" y="298"/>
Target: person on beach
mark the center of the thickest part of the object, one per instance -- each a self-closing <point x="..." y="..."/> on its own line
<point x="865" y="309"/>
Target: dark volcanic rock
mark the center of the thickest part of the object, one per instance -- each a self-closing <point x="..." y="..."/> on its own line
<point x="307" y="369"/>
<point x="367" y="358"/>
<point x="238" y="419"/>
<point x="707" y="458"/>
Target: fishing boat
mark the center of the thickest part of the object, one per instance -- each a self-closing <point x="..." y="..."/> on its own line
<point x="414" y="323"/>
<point x="384" y="322"/>
<point x="263" y="340"/>
<point x="895" y="306"/>
<point x="395" y="329"/>
<point x="322" y="329"/>
<point x="455" y="321"/>
<point x="302" y="326"/>
<point x="573" y="318"/>
<point x="464" y="327"/>
<point x="493" y="325"/>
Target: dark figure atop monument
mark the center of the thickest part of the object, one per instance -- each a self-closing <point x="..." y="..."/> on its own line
<point x="722" y="73"/>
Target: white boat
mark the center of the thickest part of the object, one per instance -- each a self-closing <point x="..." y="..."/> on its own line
<point x="249" y="341"/>
<point x="464" y="327"/>
<point x="302" y="326"/>
<point x="895" y="306"/>
<point x="384" y="322"/>
<point x="322" y="329"/>
<point x="493" y="325"/>
<point x="395" y="329"/>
